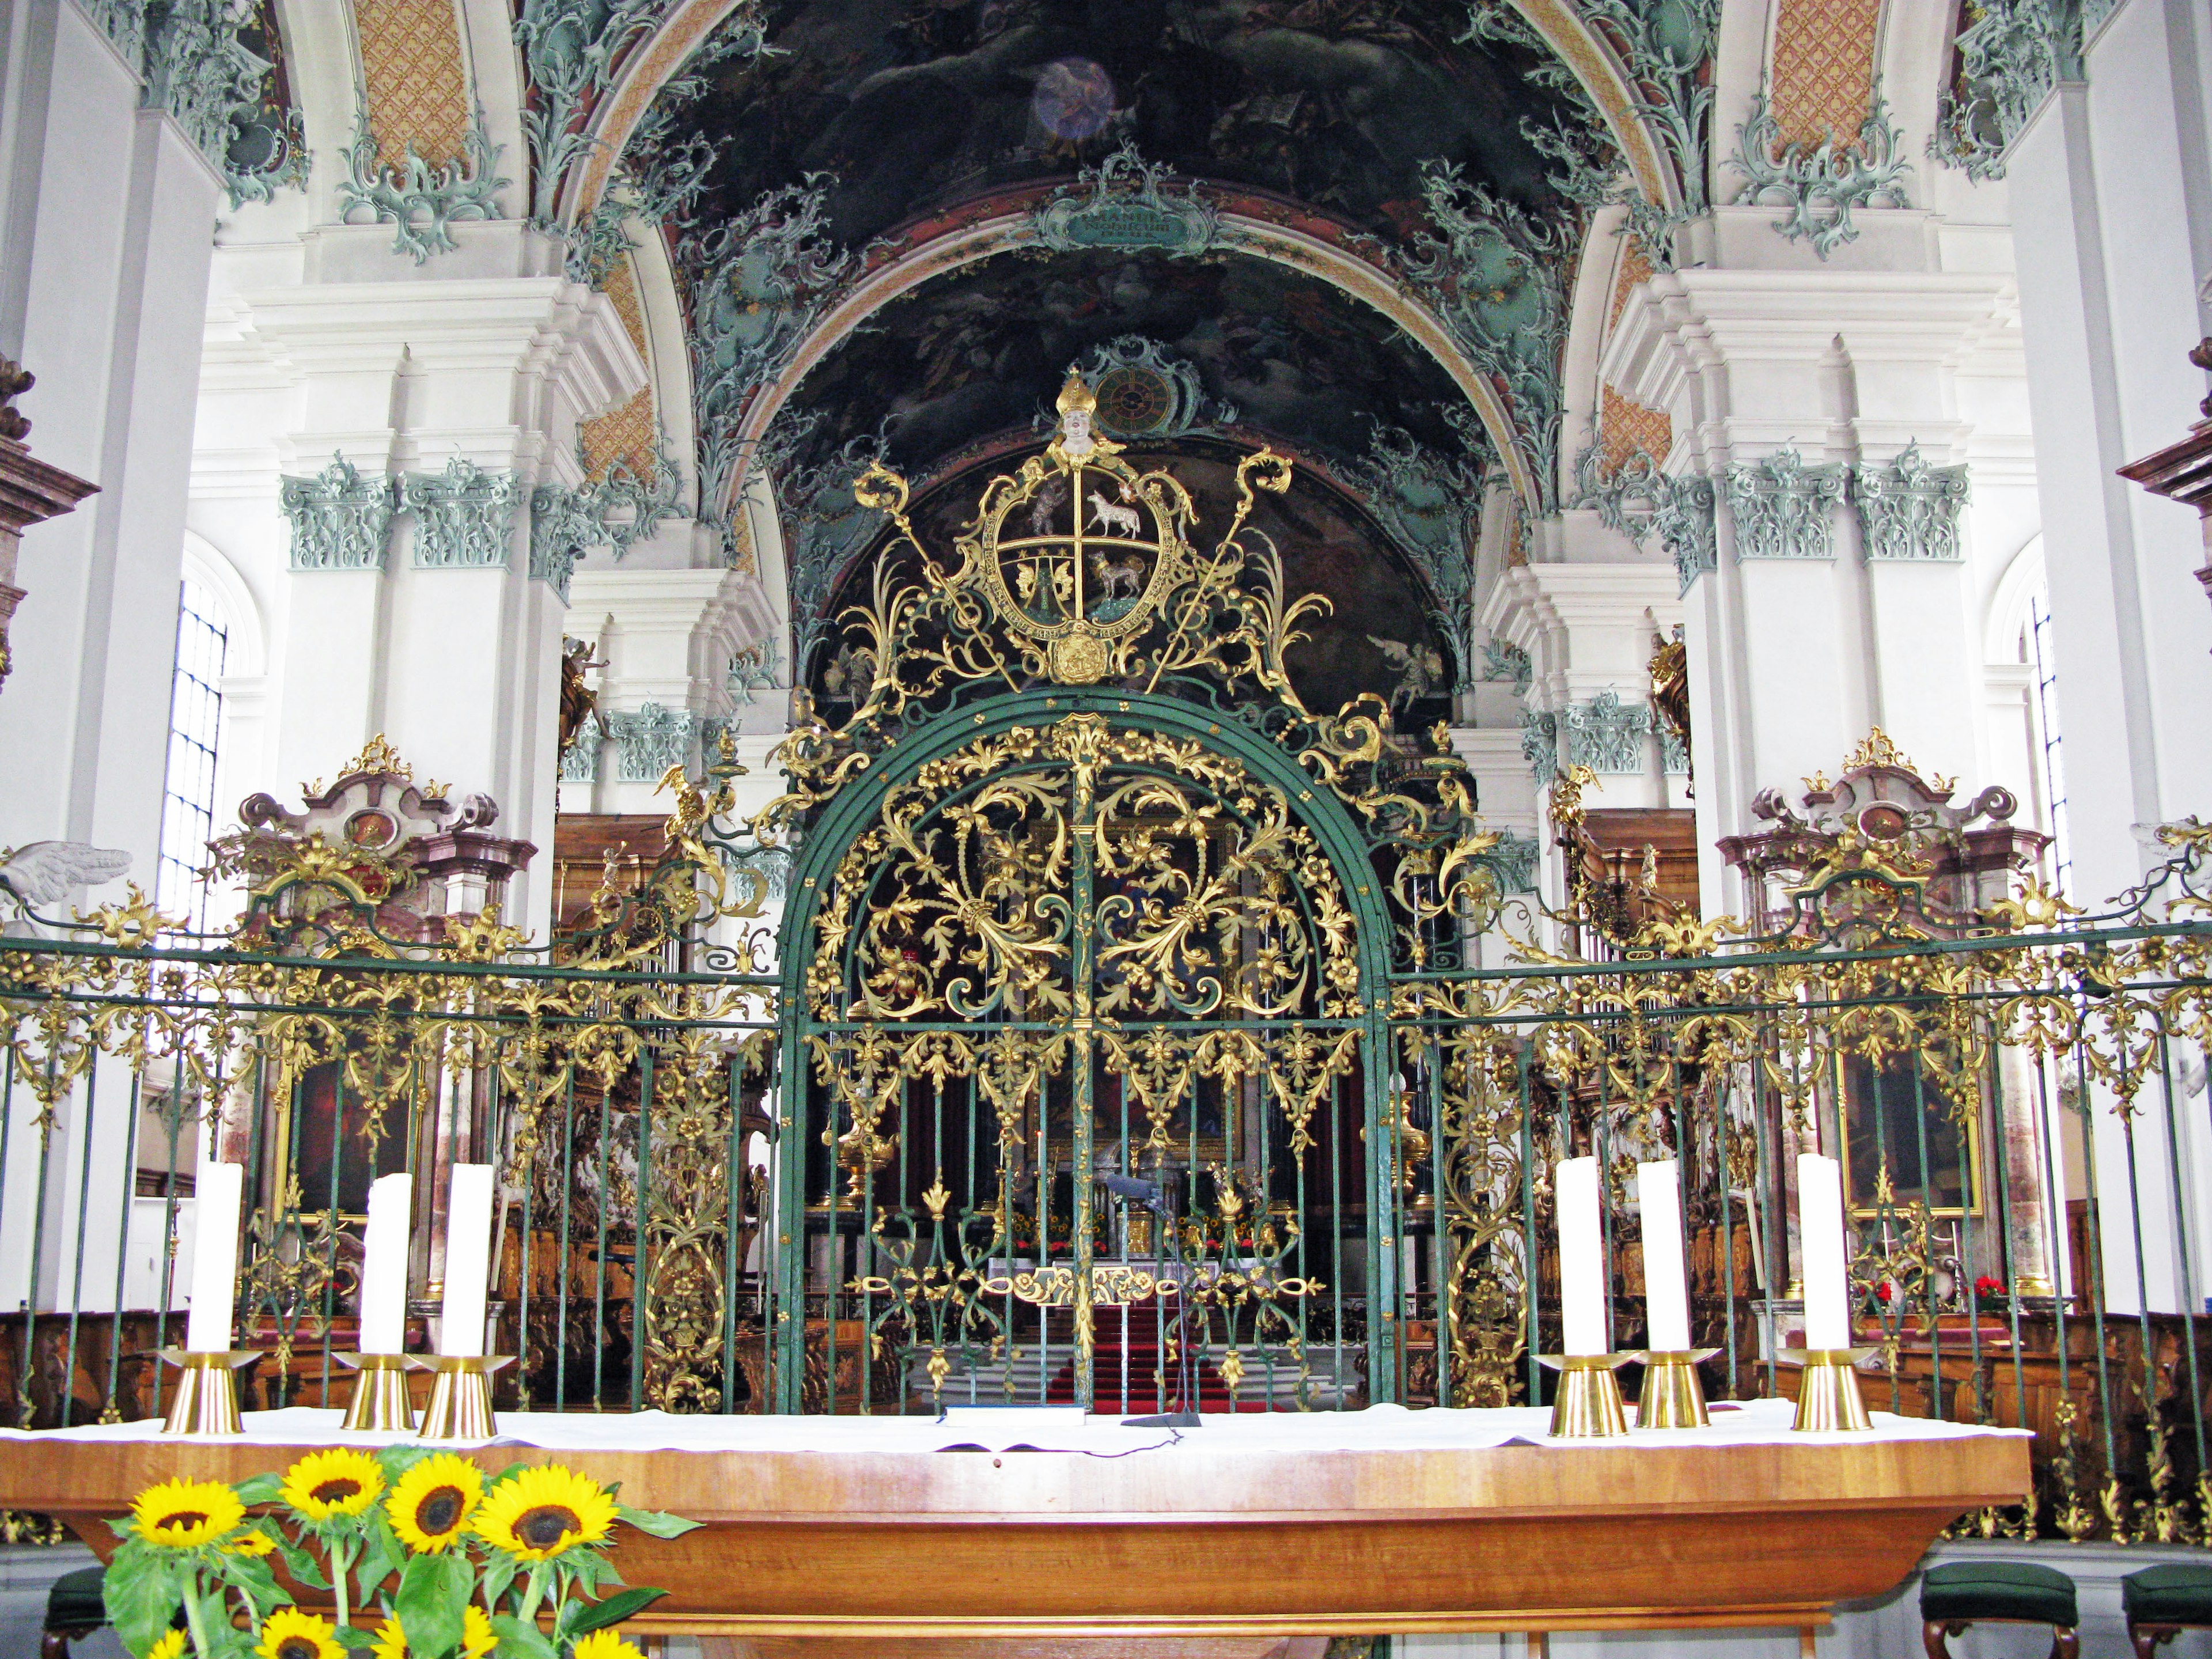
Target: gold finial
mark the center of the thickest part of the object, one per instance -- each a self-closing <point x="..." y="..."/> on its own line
<point x="1075" y="395"/>
<point x="1877" y="750"/>
<point x="377" y="754"/>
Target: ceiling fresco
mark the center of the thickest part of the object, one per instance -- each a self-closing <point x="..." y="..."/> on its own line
<point x="983" y="350"/>
<point x="911" y="105"/>
<point x="1379" y="636"/>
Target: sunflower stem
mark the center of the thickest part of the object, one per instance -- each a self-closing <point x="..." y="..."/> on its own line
<point x="200" y="1645"/>
<point x="341" y="1570"/>
<point x="533" y="1592"/>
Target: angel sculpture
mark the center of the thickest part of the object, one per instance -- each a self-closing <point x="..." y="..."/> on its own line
<point x="43" y="872"/>
<point x="1419" y="668"/>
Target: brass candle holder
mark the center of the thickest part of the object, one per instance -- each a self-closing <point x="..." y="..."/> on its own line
<point x="460" y="1406"/>
<point x="380" y="1403"/>
<point x="1828" y="1399"/>
<point x="1673" y="1397"/>
<point x="206" y="1397"/>
<point x="1588" y="1404"/>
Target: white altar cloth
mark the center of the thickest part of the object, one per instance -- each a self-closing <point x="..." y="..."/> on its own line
<point x="1376" y="1428"/>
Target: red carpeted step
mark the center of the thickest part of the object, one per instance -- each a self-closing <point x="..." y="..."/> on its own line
<point x="1137" y="1359"/>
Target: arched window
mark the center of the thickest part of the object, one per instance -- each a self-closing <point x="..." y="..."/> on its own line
<point x="2040" y="655"/>
<point x="189" y="779"/>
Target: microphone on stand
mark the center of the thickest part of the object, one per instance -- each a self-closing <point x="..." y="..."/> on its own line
<point x="1153" y="1196"/>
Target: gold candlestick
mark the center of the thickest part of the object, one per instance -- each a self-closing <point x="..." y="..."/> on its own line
<point x="1588" y="1404"/>
<point x="1672" y="1396"/>
<point x="1828" y="1399"/>
<point x="380" y="1404"/>
<point x="206" y="1397"/>
<point x="460" y="1406"/>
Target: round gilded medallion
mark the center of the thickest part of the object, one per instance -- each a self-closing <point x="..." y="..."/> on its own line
<point x="372" y="829"/>
<point x="1883" y="822"/>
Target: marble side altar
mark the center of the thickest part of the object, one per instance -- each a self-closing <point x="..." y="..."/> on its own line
<point x="852" y="1532"/>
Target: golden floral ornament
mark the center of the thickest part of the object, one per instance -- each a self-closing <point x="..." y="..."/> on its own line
<point x="544" y="1512"/>
<point x="292" y="1634"/>
<point x="185" y="1515"/>
<point x="432" y="1504"/>
<point x="334" y="1484"/>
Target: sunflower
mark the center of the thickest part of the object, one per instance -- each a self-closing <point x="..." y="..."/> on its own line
<point x="391" y="1641"/>
<point x="183" y="1514"/>
<point x="430" y="1504"/>
<point x="604" y="1644"/>
<point x="340" y="1481"/>
<point x="477" y="1636"/>
<point x="252" y="1541"/>
<point x="171" y="1646"/>
<point x="544" y="1511"/>
<point x="292" y="1634"/>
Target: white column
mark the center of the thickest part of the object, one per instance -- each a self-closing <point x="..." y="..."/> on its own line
<point x="106" y="214"/>
<point x="2112" y="233"/>
<point x="1799" y="643"/>
<point x="490" y="362"/>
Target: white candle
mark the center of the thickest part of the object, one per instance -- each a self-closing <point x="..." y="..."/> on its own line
<point x="384" y="1266"/>
<point x="468" y="1261"/>
<point x="1582" y="1258"/>
<point x="217" y="1191"/>
<point x="1666" y="1292"/>
<point x="1820" y="1251"/>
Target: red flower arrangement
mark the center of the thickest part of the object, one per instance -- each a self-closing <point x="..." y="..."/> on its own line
<point x="1988" y="1288"/>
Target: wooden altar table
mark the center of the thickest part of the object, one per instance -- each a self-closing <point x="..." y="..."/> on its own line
<point x="859" y="1532"/>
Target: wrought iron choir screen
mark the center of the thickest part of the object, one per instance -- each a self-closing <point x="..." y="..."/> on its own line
<point x="1121" y="1034"/>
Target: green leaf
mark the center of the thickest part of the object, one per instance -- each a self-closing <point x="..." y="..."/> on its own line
<point x="509" y="1473"/>
<point x="434" y="1589"/>
<point x="142" y="1592"/>
<point x="598" y="1615"/>
<point x="254" y="1576"/>
<point x="352" y="1636"/>
<point x="259" y="1489"/>
<point x="382" y="1554"/>
<point x="301" y="1564"/>
<point x="659" y="1522"/>
<point x="498" y="1573"/>
<point x="521" y="1638"/>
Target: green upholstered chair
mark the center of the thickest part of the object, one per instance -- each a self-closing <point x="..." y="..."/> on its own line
<point x="1962" y="1593"/>
<point x="75" y="1607"/>
<point x="2162" y="1600"/>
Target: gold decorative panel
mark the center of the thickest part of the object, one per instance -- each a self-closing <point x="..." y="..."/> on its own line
<point x="1625" y="426"/>
<point x="1824" y="70"/>
<point x="417" y="80"/>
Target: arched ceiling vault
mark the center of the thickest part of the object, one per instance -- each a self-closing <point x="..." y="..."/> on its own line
<point x="1594" y="63"/>
<point x="1253" y="238"/>
<point x="814" y="166"/>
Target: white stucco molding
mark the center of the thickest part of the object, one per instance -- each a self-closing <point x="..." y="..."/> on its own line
<point x="1738" y="356"/>
<point x="667" y="636"/>
<point x="497" y="370"/>
<point x="1587" y="627"/>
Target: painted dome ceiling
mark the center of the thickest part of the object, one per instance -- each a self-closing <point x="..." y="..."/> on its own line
<point x="913" y="105"/>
